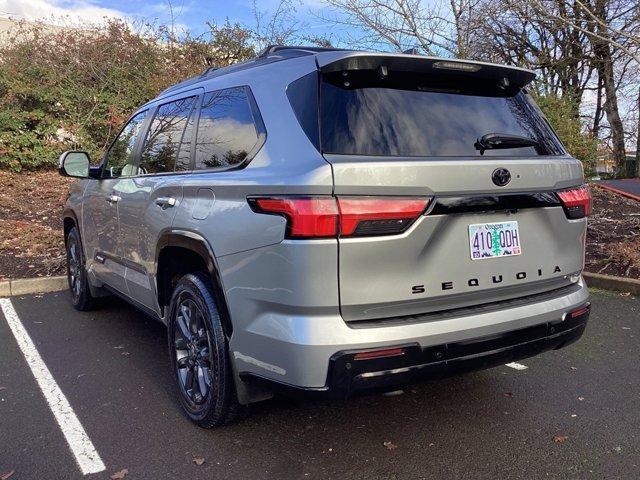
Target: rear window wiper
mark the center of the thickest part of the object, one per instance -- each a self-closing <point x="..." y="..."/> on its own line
<point x="492" y="141"/>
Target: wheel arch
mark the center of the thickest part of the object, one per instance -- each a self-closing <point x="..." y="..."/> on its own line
<point x="69" y="220"/>
<point x="179" y="252"/>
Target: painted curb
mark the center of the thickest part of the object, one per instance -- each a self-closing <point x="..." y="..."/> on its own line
<point x="26" y="286"/>
<point x="609" y="282"/>
<point x="619" y="192"/>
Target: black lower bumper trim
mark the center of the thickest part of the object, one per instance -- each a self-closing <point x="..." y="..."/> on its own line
<point x="348" y="375"/>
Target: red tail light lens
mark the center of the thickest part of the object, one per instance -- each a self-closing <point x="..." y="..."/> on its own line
<point x="387" y="352"/>
<point x="576" y="201"/>
<point x="315" y="217"/>
<point x="328" y="217"/>
<point x="362" y="216"/>
<point x="578" y="312"/>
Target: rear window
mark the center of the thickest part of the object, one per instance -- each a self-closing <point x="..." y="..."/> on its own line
<point x="406" y="114"/>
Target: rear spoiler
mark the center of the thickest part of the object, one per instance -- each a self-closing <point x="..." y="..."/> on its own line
<point x="336" y="61"/>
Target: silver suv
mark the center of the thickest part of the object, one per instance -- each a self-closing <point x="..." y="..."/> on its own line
<point x="329" y="221"/>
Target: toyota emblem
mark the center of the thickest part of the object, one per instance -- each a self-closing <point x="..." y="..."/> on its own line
<point x="501" y="176"/>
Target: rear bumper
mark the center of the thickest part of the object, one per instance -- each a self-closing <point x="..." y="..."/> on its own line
<point x="348" y="375"/>
<point x="316" y="354"/>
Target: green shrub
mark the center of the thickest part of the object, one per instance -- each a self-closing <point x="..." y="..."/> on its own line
<point x="561" y="113"/>
<point x="63" y="89"/>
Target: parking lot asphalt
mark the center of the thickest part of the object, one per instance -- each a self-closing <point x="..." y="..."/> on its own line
<point x="573" y="413"/>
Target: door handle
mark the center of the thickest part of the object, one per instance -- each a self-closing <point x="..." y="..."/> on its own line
<point x="165" y="202"/>
<point x="113" y="199"/>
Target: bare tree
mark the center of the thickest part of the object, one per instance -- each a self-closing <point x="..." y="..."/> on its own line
<point x="612" y="27"/>
<point x="513" y="33"/>
<point x="638" y="136"/>
<point x="440" y="28"/>
<point x="278" y="27"/>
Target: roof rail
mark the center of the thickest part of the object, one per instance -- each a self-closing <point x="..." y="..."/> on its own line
<point x="268" y="55"/>
<point x="209" y="70"/>
<point x="271" y="49"/>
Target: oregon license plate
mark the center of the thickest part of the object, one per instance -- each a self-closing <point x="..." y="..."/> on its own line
<point x="490" y="240"/>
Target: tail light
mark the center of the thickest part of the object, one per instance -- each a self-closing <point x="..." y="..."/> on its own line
<point x="363" y="216"/>
<point x="315" y="217"/>
<point x="576" y="201"/>
<point x="329" y="217"/>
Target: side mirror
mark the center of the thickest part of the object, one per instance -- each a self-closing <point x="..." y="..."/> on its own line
<point x="74" y="163"/>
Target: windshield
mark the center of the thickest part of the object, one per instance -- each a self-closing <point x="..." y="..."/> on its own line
<point x="407" y="114"/>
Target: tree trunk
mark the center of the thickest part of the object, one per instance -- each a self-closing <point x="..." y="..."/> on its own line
<point x="605" y="71"/>
<point x="604" y="61"/>
<point x="638" y="139"/>
<point x="597" y="115"/>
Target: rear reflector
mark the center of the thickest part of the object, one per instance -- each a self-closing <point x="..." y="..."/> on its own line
<point x="576" y="201"/>
<point x="389" y="352"/>
<point x="328" y="217"/>
<point x="580" y="311"/>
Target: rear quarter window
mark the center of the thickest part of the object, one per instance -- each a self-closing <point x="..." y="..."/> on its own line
<point x="229" y="129"/>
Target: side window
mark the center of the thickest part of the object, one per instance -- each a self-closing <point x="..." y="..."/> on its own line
<point x="226" y="129"/>
<point x="120" y="155"/>
<point x="167" y="147"/>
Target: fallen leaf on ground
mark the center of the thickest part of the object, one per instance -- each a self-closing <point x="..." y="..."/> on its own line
<point x="390" y="445"/>
<point x="198" y="461"/>
<point x="573" y="368"/>
<point x="4" y="476"/>
<point x="508" y="394"/>
<point x="581" y="399"/>
<point x="560" y="438"/>
<point x="120" y="475"/>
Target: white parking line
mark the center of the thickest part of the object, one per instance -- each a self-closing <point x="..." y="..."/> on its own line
<point x="79" y="443"/>
<point x="516" y="366"/>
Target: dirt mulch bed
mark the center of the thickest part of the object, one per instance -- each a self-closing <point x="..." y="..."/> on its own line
<point x="31" y="243"/>
<point x="613" y="236"/>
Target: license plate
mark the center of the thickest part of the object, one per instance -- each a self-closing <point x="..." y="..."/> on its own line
<point x="490" y="240"/>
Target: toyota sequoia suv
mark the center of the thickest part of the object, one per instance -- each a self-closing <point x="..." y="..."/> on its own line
<point x="330" y="221"/>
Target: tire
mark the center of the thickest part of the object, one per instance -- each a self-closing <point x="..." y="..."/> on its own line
<point x="199" y="354"/>
<point x="77" y="274"/>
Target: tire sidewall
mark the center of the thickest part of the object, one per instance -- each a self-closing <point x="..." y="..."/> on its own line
<point x="73" y="237"/>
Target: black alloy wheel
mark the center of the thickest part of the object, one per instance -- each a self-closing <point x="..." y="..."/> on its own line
<point x="199" y="352"/>
<point x="77" y="274"/>
<point x="192" y="351"/>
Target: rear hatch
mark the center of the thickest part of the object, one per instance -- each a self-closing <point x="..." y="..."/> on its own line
<point x="494" y="227"/>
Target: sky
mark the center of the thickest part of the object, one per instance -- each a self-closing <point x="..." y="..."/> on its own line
<point x="192" y="14"/>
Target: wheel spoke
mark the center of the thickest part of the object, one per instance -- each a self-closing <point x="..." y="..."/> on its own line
<point x="206" y="373"/>
<point x="184" y="326"/>
<point x="189" y="381"/>
<point x="202" y="381"/>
